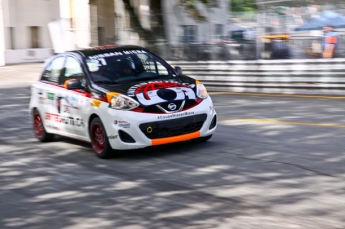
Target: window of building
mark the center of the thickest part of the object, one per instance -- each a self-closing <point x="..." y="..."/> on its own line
<point x="219" y="31"/>
<point x="35" y="38"/>
<point x="101" y="37"/>
<point x="12" y="41"/>
<point x="188" y="33"/>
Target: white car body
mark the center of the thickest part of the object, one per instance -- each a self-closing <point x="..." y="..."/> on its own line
<point x="69" y="113"/>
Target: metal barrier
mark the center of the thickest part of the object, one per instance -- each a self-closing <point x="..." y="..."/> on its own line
<point x="315" y="76"/>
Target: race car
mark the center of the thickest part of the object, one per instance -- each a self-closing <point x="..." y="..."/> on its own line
<point x="119" y="98"/>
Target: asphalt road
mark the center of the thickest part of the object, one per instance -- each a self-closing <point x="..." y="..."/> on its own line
<point x="274" y="162"/>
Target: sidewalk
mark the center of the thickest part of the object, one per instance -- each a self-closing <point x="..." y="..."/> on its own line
<point x="21" y="75"/>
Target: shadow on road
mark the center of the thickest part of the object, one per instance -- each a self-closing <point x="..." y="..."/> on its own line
<point x="246" y="176"/>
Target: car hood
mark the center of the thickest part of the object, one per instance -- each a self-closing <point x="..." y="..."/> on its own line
<point x="157" y="91"/>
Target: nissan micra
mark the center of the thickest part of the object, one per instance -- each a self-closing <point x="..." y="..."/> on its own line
<point x="119" y="98"/>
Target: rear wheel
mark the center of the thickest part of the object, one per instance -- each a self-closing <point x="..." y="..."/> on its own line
<point x="99" y="139"/>
<point x="201" y="139"/>
<point x="40" y="132"/>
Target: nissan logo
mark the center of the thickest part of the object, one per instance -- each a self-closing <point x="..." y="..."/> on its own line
<point x="172" y="106"/>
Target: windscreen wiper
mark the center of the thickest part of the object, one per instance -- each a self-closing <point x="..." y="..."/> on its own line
<point x="144" y="78"/>
<point x="106" y="82"/>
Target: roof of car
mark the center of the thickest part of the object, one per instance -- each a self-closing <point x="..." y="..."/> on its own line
<point x="107" y="48"/>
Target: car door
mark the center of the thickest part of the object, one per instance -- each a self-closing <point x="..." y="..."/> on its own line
<point x="47" y="90"/>
<point x="72" y="101"/>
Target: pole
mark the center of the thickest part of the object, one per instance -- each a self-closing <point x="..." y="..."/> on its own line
<point x="258" y="29"/>
<point x="2" y="35"/>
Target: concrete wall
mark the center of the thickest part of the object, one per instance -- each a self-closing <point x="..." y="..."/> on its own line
<point x="27" y="55"/>
<point x="22" y="14"/>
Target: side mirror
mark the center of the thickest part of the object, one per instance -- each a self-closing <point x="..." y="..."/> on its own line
<point x="73" y="84"/>
<point x="178" y="70"/>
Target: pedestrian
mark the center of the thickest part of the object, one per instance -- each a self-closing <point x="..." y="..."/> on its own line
<point x="330" y="42"/>
<point x="280" y="50"/>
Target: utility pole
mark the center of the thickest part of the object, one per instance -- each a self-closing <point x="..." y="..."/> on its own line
<point x="259" y="25"/>
<point x="2" y="34"/>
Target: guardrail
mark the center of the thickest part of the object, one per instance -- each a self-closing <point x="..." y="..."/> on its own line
<point x="312" y="76"/>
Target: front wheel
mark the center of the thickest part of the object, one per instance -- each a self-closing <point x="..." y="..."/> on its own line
<point x="40" y="132"/>
<point x="99" y="139"/>
<point x="201" y="139"/>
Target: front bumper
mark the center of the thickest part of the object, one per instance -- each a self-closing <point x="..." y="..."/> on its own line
<point x="133" y="130"/>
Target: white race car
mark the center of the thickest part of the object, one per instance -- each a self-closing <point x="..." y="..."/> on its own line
<point x="118" y="98"/>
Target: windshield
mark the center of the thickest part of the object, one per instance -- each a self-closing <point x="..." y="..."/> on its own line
<point x="125" y="66"/>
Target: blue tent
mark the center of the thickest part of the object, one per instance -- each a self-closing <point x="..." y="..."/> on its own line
<point x="326" y="18"/>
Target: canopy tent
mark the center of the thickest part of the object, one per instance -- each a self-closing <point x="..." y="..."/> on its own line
<point x="327" y="18"/>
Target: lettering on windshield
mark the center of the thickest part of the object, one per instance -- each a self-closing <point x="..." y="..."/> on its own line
<point x="110" y="54"/>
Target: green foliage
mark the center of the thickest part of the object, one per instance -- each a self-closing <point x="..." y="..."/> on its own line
<point x="243" y="5"/>
<point x="191" y="7"/>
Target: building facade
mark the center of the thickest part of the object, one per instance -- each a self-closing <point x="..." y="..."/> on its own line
<point x="32" y="30"/>
<point x="25" y="36"/>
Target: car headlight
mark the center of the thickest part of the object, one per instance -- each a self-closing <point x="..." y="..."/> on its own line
<point x="201" y="91"/>
<point x="121" y="102"/>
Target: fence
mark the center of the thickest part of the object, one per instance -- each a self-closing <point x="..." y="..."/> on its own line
<point x="320" y="76"/>
<point x="241" y="38"/>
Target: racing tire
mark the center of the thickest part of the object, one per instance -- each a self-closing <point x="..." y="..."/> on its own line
<point x="201" y="139"/>
<point x="99" y="139"/>
<point x="40" y="132"/>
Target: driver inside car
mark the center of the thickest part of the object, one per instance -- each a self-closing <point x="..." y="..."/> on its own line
<point x="128" y="67"/>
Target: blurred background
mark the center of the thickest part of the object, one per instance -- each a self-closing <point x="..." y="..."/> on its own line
<point x="32" y="30"/>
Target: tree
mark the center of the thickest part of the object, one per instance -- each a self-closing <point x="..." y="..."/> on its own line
<point x="157" y="32"/>
<point x="243" y="5"/>
<point x="193" y="12"/>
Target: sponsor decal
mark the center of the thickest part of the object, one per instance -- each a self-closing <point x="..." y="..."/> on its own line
<point x="68" y="120"/>
<point x="175" y="115"/>
<point x="53" y="127"/>
<point x="50" y="95"/>
<point x="96" y="103"/>
<point x="42" y="100"/>
<point x="112" y="136"/>
<point x="72" y="101"/>
<point x="49" y="99"/>
<point x="155" y="92"/>
<point x="72" y="121"/>
<point x="53" y="117"/>
<point x="122" y="124"/>
<point x="66" y="109"/>
<point x="119" y="53"/>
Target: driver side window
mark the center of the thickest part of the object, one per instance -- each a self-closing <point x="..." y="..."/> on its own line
<point x="152" y="66"/>
<point x="73" y="70"/>
<point x="53" y="70"/>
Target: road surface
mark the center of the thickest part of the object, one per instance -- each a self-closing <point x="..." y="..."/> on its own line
<point x="274" y="162"/>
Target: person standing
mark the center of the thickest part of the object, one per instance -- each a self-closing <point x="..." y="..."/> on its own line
<point x="330" y="41"/>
